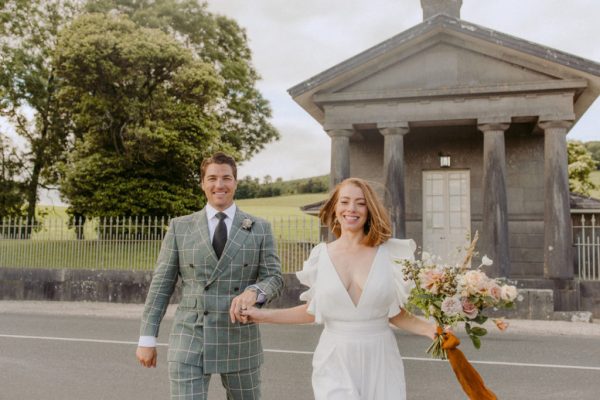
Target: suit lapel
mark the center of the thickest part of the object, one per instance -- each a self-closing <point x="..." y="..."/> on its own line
<point x="235" y="240"/>
<point x="200" y="230"/>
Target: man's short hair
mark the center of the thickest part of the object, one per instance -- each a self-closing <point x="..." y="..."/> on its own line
<point x="218" y="158"/>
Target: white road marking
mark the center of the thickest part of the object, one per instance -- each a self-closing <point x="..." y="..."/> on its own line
<point x="511" y="364"/>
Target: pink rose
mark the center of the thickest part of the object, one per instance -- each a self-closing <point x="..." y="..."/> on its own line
<point x="431" y="280"/>
<point x="494" y="290"/>
<point x="473" y="282"/>
<point x="469" y="309"/>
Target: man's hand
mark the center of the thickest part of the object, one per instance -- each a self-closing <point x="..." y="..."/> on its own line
<point x="242" y="302"/>
<point x="146" y="356"/>
<point x="255" y="315"/>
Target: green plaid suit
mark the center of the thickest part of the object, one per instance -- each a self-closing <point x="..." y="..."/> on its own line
<point x="202" y="332"/>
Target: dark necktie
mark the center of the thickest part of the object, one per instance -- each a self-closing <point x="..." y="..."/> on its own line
<point x="220" y="237"/>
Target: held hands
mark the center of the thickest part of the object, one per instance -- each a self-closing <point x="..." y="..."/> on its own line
<point x="255" y="315"/>
<point x="241" y="303"/>
<point x="146" y="356"/>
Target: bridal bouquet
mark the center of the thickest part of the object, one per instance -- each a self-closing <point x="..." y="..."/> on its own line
<point x="453" y="294"/>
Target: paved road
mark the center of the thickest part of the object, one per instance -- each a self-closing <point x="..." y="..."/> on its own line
<point x="86" y="351"/>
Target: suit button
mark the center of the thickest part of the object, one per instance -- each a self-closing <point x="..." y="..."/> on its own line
<point x="205" y="312"/>
<point x="245" y="265"/>
<point x="206" y="287"/>
<point x="191" y="265"/>
<point x="235" y="289"/>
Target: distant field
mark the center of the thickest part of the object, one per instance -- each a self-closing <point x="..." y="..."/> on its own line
<point x="263" y="207"/>
<point x="279" y="206"/>
<point x="54" y="244"/>
<point x="595" y="178"/>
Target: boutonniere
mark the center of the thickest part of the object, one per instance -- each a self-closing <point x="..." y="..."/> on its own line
<point x="247" y="223"/>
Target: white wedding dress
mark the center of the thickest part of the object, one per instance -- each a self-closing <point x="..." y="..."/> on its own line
<point x="357" y="357"/>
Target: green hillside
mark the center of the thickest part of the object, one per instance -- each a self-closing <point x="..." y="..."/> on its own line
<point x="279" y="206"/>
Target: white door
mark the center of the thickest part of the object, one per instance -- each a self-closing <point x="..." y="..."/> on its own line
<point x="446" y="212"/>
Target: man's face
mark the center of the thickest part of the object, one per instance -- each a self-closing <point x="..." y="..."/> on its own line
<point x="219" y="185"/>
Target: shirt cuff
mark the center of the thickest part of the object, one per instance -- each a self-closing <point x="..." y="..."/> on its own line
<point x="147" y="341"/>
<point x="261" y="296"/>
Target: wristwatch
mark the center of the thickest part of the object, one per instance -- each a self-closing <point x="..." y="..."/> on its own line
<point x="261" y="296"/>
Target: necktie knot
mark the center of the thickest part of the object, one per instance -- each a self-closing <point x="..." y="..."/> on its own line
<point x="221" y="216"/>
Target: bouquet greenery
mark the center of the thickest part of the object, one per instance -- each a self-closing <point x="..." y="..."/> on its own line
<point x="453" y="294"/>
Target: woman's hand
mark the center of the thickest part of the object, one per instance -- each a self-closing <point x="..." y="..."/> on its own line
<point x="447" y="329"/>
<point x="255" y="315"/>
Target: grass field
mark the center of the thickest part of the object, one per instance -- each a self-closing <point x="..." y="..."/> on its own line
<point x="279" y="206"/>
<point x="54" y="244"/>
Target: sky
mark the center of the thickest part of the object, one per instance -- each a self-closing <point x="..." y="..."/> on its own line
<point x="293" y="40"/>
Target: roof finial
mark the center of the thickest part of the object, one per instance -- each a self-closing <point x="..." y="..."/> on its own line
<point x="434" y="7"/>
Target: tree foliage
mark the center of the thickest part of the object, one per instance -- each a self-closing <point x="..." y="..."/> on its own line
<point x="581" y="165"/>
<point x="125" y="117"/>
<point x="141" y="108"/>
<point x="28" y="85"/>
<point x="594" y="148"/>
<point x="243" y="114"/>
<point x="12" y="199"/>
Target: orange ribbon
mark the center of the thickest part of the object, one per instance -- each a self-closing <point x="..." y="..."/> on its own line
<point x="467" y="376"/>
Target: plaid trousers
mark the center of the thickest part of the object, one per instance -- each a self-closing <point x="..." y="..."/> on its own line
<point x="189" y="382"/>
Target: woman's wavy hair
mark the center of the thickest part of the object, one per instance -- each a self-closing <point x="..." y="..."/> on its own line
<point x="378" y="228"/>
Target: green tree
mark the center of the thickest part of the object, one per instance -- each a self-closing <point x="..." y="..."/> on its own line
<point x="28" y="85"/>
<point x="594" y="149"/>
<point x="243" y="113"/>
<point x="581" y="165"/>
<point x="142" y="111"/>
<point x="247" y="188"/>
<point x="12" y="199"/>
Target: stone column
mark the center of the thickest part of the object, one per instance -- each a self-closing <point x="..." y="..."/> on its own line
<point x="340" y="155"/>
<point x="494" y="235"/>
<point x="393" y="172"/>
<point x="558" y="261"/>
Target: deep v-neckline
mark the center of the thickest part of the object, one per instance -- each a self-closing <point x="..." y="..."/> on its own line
<point x="341" y="283"/>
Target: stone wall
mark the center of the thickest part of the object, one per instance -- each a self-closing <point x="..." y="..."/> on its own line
<point x="131" y="287"/>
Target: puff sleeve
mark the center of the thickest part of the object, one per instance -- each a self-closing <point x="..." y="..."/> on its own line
<point x="400" y="249"/>
<point x="308" y="277"/>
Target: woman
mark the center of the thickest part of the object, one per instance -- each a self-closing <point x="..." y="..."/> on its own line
<point x="356" y="289"/>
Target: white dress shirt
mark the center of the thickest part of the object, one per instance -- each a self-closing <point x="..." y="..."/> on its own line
<point x="211" y="215"/>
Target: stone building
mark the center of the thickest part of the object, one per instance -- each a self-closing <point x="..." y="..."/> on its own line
<point x="463" y="128"/>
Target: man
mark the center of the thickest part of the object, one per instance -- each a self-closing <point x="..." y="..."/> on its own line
<point x="227" y="262"/>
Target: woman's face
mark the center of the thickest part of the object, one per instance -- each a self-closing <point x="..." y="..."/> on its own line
<point x="351" y="208"/>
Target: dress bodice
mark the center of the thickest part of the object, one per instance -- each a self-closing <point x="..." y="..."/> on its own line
<point x="384" y="292"/>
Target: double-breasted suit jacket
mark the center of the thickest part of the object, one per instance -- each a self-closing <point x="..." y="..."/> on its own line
<point x="202" y="332"/>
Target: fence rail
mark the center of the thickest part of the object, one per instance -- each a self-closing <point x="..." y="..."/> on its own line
<point x="123" y="243"/>
<point x="586" y="237"/>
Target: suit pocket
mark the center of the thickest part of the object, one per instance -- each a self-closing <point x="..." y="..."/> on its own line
<point x="187" y="303"/>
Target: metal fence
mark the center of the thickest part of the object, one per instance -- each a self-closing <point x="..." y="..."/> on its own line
<point x="586" y="237"/>
<point x="123" y="243"/>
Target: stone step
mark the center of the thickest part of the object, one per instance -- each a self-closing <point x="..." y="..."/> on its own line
<point x="538" y="304"/>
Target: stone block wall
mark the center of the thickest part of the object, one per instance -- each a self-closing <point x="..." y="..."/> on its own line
<point x="132" y="287"/>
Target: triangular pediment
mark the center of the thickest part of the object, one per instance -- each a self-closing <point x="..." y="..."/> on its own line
<point x="445" y="56"/>
<point x="442" y="66"/>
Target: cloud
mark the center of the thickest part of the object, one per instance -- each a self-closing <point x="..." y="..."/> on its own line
<point x="294" y="40"/>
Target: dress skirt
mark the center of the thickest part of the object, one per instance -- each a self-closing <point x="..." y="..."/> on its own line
<point x="358" y="360"/>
